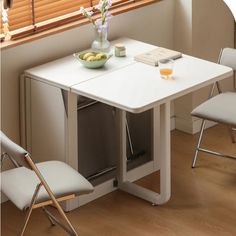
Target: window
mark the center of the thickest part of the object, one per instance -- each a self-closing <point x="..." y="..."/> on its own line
<point x="28" y="17"/>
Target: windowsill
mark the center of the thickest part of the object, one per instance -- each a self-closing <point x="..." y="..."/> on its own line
<point x="12" y="43"/>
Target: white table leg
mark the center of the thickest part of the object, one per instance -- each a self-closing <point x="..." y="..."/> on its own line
<point x="165" y="149"/>
<point x="25" y="113"/>
<point x="121" y="131"/>
<point x="161" y="152"/>
<point x="71" y="132"/>
<point x="71" y="139"/>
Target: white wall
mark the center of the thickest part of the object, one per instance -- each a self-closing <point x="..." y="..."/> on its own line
<point x="183" y="26"/>
<point x="202" y="28"/>
<point x="210" y="34"/>
<point x="152" y="24"/>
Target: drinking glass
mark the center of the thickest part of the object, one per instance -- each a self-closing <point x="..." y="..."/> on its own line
<point x="166" y="68"/>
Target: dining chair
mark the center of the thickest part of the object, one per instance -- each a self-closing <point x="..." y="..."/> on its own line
<point x="30" y="186"/>
<point x="220" y="108"/>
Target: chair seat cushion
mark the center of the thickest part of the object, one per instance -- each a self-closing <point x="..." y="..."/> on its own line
<point x="19" y="184"/>
<point x="221" y="108"/>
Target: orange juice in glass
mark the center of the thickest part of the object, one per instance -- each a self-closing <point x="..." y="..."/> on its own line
<point x="166" y="68"/>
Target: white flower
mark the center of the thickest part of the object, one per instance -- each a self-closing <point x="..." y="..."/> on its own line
<point x="103" y="7"/>
<point x="89" y="13"/>
<point x="81" y="10"/>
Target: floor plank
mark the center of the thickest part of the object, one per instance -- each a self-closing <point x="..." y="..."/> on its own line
<point x="203" y="201"/>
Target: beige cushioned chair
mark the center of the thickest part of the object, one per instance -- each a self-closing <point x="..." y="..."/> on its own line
<point x="221" y="108"/>
<point x="31" y="186"/>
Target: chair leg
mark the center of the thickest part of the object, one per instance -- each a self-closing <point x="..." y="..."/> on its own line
<point x="231" y="134"/>
<point x="55" y="221"/>
<point x="48" y="216"/>
<point x="31" y="208"/>
<point x="63" y="215"/>
<point x="199" y="143"/>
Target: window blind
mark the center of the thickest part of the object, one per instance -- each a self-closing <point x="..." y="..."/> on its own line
<point x="30" y="16"/>
<point x="20" y="14"/>
<point x="27" y="17"/>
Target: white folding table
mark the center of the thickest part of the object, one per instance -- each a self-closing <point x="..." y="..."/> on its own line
<point x="139" y="87"/>
<point x="134" y="87"/>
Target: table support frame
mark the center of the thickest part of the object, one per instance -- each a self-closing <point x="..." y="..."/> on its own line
<point x="161" y="156"/>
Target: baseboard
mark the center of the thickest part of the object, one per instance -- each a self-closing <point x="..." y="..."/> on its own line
<point x="191" y="126"/>
<point x="197" y="125"/>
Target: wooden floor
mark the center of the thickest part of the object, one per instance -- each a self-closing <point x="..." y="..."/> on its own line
<point x="203" y="201"/>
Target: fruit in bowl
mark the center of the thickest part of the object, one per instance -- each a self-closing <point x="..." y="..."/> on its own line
<point x="92" y="60"/>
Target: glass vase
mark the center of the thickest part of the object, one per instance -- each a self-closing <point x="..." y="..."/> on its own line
<point x="101" y="43"/>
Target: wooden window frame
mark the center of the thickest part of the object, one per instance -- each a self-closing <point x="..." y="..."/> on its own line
<point x="73" y="21"/>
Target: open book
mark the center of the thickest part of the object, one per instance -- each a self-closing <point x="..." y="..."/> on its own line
<point x="152" y="57"/>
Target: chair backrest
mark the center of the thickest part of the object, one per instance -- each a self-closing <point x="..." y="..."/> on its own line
<point x="228" y="58"/>
<point x="14" y="150"/>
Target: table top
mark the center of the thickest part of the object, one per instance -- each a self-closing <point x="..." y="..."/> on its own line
<point x="67" y="71"/>
<point x="127" y="84"/>
<point x="139" y="87"/>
